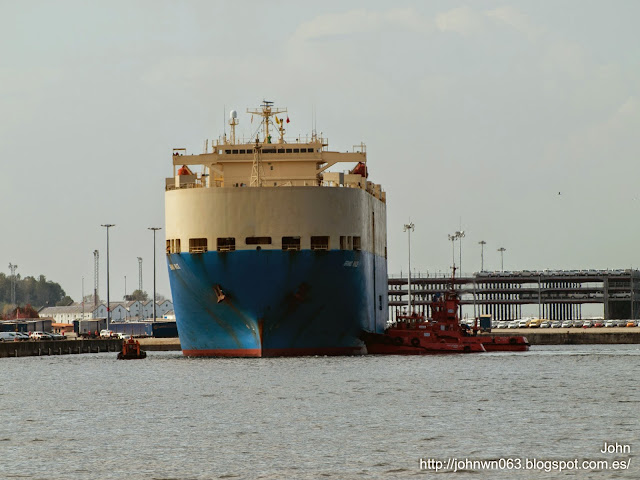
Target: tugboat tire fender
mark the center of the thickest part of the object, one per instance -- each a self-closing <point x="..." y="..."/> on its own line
<point x="397" y="341"/>
<point x="513" y="341"/>
<point x="387" y="340"/>
<point x="415" y="342"/>
<point x="467" y="348"/>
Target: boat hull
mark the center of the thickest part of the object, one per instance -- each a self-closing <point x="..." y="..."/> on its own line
<point x="277" y="303"/>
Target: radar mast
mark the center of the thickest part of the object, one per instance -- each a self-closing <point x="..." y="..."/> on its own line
<point x="266" y="111"/>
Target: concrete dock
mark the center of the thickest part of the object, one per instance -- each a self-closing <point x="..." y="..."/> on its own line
<point x="574" y="336"/>
<point x="536" y="336"/>
<point x="32" y="348"/>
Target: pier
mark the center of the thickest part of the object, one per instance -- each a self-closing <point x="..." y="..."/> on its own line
<point x="558" y="294"/>
<point x="32" y="348"/>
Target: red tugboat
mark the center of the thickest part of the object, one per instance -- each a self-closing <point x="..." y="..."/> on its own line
<point x="414" y="335"/>
<point x="131" y="350"/>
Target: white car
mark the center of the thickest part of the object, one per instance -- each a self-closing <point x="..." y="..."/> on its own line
<point x="610" y="323"/>
<point x="567" y="324"/>
<point x="107" y="334"/>
<point x="502" y="324"/>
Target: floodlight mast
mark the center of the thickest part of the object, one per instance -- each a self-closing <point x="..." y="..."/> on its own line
<point x="409" y="228"/>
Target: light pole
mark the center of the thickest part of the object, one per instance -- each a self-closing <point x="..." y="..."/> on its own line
<point x="108" y="226"/>
<point x="409" y="228"/>
<point x="13" y="269"/>
<point x="155" y="229"/>
<point x="482" y="243"/>
<point x="453" y="248"/>
<point x="460" y="236"/>
<point x="502" y="250"/>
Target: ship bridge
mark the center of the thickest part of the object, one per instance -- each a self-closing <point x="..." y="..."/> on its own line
<point x="265" y="161"/>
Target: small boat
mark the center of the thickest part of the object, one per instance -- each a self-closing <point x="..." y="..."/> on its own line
<point x="131" y="350"/>
<point x="413" y="334"/>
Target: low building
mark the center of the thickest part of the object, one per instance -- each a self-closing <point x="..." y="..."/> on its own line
<point x="66" y="314"/>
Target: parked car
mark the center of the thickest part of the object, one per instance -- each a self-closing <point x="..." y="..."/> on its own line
<point x="631" y="323"/>
<point x="8" y="337"/>
<point x="534" y="323"/>
<point x="556" y="324"/>
<point x="513" y="324"/>
<point x="578" y="323"/>
<point x="610" y="323"/>
<point x="587" y="324"/>
<point x="523" y="324"/>
<point x="621" y="323"/>
<point x="567" y="324"/>
<point x="37" y="335"/>
<point x="107" y="334"/>
<point x="502" y="324"/>
<point x="598" y="323"/>
<point x="545" y="324"/>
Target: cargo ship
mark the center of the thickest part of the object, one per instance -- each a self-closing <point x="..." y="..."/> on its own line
<point x="269" y="252"/>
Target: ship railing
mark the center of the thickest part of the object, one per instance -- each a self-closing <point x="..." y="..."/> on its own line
<point x="183" y="181"/>
<point x="221" y="142"/>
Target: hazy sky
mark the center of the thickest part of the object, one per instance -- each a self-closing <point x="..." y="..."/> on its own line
<point x="475" y="114"/>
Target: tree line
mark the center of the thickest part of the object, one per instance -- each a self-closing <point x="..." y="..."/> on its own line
<point x="38" y="293"/>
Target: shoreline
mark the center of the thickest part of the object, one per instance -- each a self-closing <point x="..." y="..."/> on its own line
<point x="536" y="336"/>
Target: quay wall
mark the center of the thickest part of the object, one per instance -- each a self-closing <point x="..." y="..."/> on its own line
<point x="160" y="344"/>
<point x="574" y="336"/>
<point x="58" y="347"/>
<point x="561" y="336"/>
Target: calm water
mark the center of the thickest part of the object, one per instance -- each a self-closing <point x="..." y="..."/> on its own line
<point x="170" y="417"/>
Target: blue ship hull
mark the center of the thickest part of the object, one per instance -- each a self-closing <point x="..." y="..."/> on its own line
<point x="277" y="303"/>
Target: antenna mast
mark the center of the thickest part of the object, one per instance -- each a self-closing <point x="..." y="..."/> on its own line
<point x="266" y="111"/>
<point x="233" y="121"/>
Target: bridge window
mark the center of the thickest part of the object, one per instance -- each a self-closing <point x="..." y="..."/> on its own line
<point x="289" y="150"/>
<point x="258" y="240"/>
<point x="319" y="243"/>
<point x="290" y="243"/>
<point x="227" y="244"/>
<point x="168" y="249"/>
<point x="197" y="245"/>
<point x="356" y="243"/>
